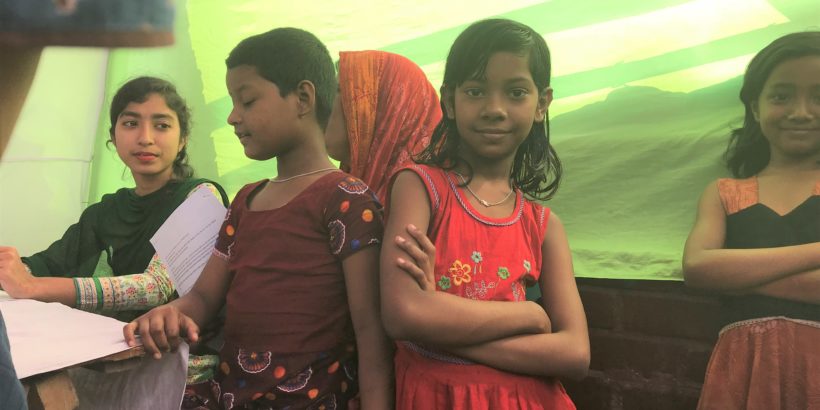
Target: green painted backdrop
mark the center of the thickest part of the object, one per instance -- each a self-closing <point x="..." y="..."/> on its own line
<point x="645" y="96"/>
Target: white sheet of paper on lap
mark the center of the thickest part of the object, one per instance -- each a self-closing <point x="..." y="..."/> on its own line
<point x="185" y="241"/>
<point x="51" y="336"/>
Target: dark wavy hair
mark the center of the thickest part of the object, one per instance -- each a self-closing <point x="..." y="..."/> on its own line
<point x="137" y="91"/>
<point x="748" y="151"/>
<point x="286" y="56"/>
<point x="536" y="169"/>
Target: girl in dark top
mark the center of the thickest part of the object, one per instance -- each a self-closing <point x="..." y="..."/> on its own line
<point x="757" y="238"/>
<point x="105" y="263"/>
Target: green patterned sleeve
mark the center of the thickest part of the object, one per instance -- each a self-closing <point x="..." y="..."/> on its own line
<point x="140" y="291"/>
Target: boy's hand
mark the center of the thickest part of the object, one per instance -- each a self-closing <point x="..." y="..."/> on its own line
<point x="423" y="253"/>
<point x="160" y="330"/>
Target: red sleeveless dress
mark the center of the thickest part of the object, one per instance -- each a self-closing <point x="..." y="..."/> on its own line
<point x="479" y="258"/>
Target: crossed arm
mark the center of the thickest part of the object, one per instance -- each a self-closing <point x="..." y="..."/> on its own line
<point x="789" y="272"/>
<point x="512" y="336"/>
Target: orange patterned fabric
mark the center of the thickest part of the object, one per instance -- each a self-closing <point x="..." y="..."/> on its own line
<point x="768" y="363"/>
<point x="737" y="194"/>
<point x="390" y="109"/>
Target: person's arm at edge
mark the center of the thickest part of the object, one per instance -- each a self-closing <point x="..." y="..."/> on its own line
<point x="376" y="381"/>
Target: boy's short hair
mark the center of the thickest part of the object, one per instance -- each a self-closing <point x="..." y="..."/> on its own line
<point x="286" y="56"/>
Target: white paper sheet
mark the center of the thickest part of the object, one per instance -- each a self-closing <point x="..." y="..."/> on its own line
<point x="51" y="336"/>
<point x="185" y="241"/>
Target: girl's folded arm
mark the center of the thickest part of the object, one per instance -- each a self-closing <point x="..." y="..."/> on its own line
<point x="800" y="287"/>
<point x="707" y="265"/>
<point x="565" y="352"/>
<point x="375" y="349"/>
<point x="410" y="313"/>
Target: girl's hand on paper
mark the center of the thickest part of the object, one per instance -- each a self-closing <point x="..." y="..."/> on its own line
<point x="161" y="330"/>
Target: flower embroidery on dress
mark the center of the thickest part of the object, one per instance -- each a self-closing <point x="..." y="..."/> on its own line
<point x="353" y="186"/>
<point x="333" y="367"/>
<point x="328" y="403"/>
<point x="350" y="369"/>
<point x="216" y="390"/>
<point x="476" y="256"/>
<point x="518" y="292"/>
<point x="253" y="362"/>
<point x="227" y="401"/>
<point x="444" y="283"/>
<point x="337" y="236"/>
<point x="460" y="272"/>
<point x="479" y="290"/>
<point x="527" y="266"/>
<point x="503" y="272"/>
<point x="296" y="382"/>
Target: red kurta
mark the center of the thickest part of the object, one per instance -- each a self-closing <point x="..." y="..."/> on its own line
<point x="479" y="258"/>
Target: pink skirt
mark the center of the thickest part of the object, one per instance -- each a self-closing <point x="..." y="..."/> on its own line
<point x="423" y="382"/>
<point x="767" y="363"/>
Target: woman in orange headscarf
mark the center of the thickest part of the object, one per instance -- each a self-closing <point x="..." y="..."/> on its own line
<point x="384" y="113"/>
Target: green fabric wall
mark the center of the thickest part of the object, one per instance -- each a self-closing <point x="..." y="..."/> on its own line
<point x="645" y="96"/>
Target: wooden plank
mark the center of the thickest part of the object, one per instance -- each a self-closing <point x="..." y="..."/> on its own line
<point x="52" y="391"/>
<point x="117" y="362"/>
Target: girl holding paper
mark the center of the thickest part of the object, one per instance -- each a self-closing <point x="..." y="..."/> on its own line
<point x="105" y="263"/>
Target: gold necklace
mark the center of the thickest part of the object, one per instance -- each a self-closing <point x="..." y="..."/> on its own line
<point x="316" y="171"/>
<point x="482" y="201"/>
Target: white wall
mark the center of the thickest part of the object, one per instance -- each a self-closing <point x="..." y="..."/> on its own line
<point x="44" y="171"/>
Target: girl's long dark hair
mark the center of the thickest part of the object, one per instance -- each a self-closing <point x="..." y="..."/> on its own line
<point x="748" y="151"/>
<point x="137" y="91"/>
<point x="536" y="169"/>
